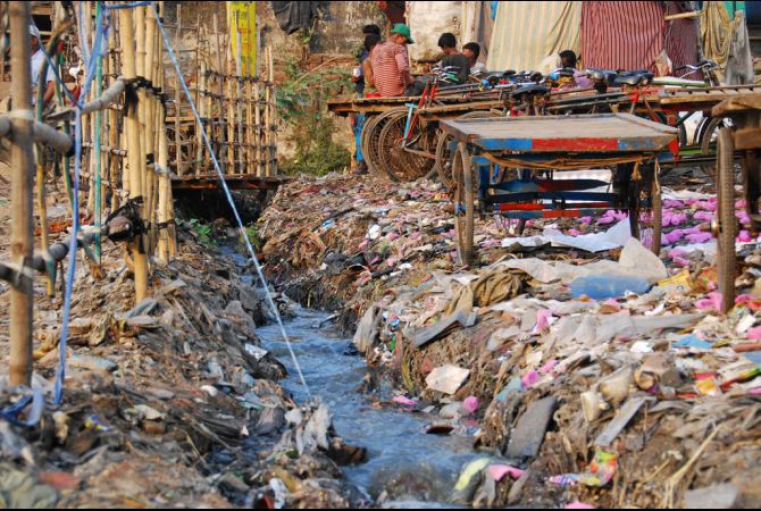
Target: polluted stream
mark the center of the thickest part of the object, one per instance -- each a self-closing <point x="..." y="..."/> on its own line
<point x="404" y="465"/>
<point x="402" y="461"/>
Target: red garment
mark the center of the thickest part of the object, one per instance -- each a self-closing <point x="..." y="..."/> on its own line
<point x="390" y="61"/>
<point x="394" y="11"/>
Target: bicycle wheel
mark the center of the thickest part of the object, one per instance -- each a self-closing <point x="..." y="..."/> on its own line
<point x="646" y="213"/>
<point x="726" y="258"/>
<point x="464" y="194"/>
<point x="400" y="165"/>
<point x="444" y="151"/>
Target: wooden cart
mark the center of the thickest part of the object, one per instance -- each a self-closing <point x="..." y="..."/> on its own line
<point x="739" y="143"/>
<point x="534" y="148"/>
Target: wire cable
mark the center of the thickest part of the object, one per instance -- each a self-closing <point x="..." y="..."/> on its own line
<point x="223" y="182"/>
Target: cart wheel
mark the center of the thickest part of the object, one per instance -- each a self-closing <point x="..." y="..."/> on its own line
<point x="727" y="223"/>
<point x="464" y="199"/>
<point x="646" y="212"/>
<point x="398" y="164"/>
<point x="371" y="141"/>
<point x="444" y="153"/>
<point x="365" y="146"/>
<point x="707" y="137"/>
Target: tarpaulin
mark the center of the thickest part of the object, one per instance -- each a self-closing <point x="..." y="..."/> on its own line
<point x="525" y="33"/>
<point x="631" y="35"/>
<point x="477" y="25"/>
<point x="294" y="16"/>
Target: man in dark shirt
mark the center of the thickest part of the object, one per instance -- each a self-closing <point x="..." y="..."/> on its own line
<point x="453" y="58"/>
<point x="459" y="63"/>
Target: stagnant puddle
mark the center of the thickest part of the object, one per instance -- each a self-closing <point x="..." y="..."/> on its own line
<point x="402" y="460"/>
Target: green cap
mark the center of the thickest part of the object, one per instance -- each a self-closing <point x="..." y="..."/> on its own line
<point x="402" y="29"/>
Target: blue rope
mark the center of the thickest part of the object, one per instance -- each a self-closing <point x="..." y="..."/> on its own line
<point x="71" y="274"/>
<point x="230" y="200"/>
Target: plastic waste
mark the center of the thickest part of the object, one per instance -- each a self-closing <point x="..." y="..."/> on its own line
<point x="602" y="287"/>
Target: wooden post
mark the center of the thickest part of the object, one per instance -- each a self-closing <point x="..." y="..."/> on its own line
<point x="22" y="196"/>
<point x="134" y="149"/>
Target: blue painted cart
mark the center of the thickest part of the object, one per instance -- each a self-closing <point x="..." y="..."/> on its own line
<point x="506" y="166"/>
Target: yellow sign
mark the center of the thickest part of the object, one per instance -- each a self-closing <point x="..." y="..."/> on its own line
<point x="241" y="18"/>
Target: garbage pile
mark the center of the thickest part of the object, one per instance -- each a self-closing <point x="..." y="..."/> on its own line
<point x="600" y="374"/>
<point x="162" y="400"/>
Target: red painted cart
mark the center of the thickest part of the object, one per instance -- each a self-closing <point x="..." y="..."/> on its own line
<point x="505" y="166"/>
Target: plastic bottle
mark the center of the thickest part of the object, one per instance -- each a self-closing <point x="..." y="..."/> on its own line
<point x="602" y="287"/>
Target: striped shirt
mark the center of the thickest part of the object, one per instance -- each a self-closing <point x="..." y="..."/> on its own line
<point x="389" y="61"/>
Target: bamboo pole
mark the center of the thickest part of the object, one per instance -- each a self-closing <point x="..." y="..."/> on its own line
<point x="207" y="102"/>
<point x="272" y="104"/>
<point x="258" y="123"/>
<point x="113" y="141"/>
<point x="98" y="127"/>
<point x="134" y="154"/>
<point x="150" y="124"/>
<point x="198" y="153"/>
<point x="165" y="183"/>
<point x="230" y="106"/>
<point x="220" y="96"/>
<point x="268" y="114"/>
<point x="178" y="98"/>
<point x="22" y="250"/>
<point x="239" y="97"/>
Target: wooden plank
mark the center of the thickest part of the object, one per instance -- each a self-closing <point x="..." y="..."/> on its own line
<point x="737" y="104"/>
<point x="580" y="133"/>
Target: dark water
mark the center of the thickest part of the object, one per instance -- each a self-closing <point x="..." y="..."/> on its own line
<point x="402" y="459"/>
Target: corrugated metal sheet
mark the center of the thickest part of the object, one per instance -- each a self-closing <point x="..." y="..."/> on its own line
<point x="631" y="35"/>
<point x="682" y="38"/>
<point x="622" y="35"/>
<point x="525" y="33"/>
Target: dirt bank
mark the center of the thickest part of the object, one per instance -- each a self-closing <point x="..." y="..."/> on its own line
<point x="669" y="385"/>
<point x="170" y="403"/>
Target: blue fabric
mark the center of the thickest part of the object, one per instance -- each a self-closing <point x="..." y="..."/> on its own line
<point x="494" y="6"/>
<point x="358" y="136"/>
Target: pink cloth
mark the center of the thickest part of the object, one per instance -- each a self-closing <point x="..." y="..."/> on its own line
<point x="714" y="301"/>
<point x="530" y="379"/>
<point x="579" y="505"/>
<point x="401" y="400"/>
<point x="498" y="472"/>
<point x="470" y="404"/>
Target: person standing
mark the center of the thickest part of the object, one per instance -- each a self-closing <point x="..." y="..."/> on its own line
<point x="358" y="77"/>
<point x="391" y="67"/>
<point x="358" y="120"/>
<point x="38" y="60"/>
